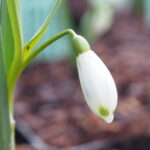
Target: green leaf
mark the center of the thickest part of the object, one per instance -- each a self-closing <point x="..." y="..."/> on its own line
<point x="7" y="34"/>
<point x="5" y="131"/>
<point x="10" y="56"/>
<point x="45" y="45"/>
<point x="38" y="35"/>
<point x="15" y="20"/>
<point x="63" y="48"/>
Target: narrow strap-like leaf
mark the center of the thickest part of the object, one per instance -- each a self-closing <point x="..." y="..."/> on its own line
<point x="13" y="8"/>
<point x="5" y="131"/>
<point x="7" y="36"/>
<point x="45" y="45"/>
<point x="38" y="35"/>
<point x="15" y="19"/>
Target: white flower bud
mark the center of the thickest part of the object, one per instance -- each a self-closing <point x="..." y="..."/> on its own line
<point x="98" y="85"/>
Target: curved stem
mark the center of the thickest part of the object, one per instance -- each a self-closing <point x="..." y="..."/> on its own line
<point x="44" y="45"/>
<point x="38" y="35"/>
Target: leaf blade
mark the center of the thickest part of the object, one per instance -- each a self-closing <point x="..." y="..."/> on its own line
<point x="38" y="35"/>
<point x="7" y="37"/>
<point x="5" y="131"/>
<point x="15" y="19"/>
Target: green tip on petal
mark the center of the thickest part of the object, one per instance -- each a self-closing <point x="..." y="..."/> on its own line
<point x="103" y="111"/>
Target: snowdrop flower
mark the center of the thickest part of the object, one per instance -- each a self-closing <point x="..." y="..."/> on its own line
<point x="96" y="81"/>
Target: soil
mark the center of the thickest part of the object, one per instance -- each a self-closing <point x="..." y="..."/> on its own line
<point x="50" y="100"/>
<point x="24" y="147"/>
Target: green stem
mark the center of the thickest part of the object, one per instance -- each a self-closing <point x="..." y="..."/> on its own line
<point x="6" y="130"/>
<point x="12" y="138"/>
<point x="5" y="123"/>
<point x="44" y="45"/>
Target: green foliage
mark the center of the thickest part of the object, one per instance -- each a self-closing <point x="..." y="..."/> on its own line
<point x="15" y="21"/>
<point x="10" y="55"/>
<point x="33" y="16"/>
<point x="30" y="45"/>
<point x="14" y="57"/>
<point x="7" y="36"/>
<point x="12" y="62"/>
<point x="5" y="131"/>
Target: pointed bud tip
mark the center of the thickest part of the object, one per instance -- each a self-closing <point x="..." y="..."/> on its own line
<point x="105" y="114"/>
<point x="109" y="119"/>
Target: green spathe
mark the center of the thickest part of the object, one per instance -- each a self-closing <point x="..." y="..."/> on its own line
<point x="81" y="45"/>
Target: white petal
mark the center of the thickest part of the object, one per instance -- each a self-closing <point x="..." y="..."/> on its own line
<point x="97" y="84"/>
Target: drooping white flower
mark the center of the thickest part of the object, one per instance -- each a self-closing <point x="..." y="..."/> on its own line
<point x="97" y="85"/>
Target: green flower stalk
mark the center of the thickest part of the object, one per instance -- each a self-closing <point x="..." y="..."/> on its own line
<point x="96" y="81"/>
